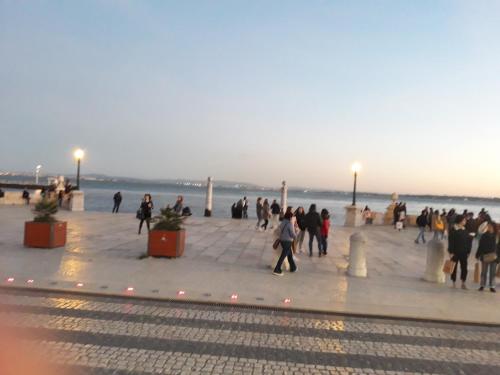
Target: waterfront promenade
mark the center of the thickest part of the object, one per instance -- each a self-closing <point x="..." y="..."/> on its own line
<point x="228" y="261"/>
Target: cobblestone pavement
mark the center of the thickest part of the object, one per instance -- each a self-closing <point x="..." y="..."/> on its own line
<point x="108" y="335"/>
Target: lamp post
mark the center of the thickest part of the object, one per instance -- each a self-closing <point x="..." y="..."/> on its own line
<point x="37" y="173"/>
<point x="78" y="154"/>
<point x="356" y="167"/>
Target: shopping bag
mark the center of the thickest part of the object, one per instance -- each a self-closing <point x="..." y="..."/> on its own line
<point x="449" y="266"/>
<point x="276" y="243"/>
<point x="477" y="272"/>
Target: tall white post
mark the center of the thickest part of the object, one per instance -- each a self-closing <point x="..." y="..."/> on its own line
<point x="208" y="206"/>
<point x="284" y="196"/>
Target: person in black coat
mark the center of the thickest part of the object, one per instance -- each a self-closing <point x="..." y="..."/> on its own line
<point x="458" y="247"/>
<point x="117" y="199"/>
<point x="146" y="211"/>
<point x="312" y="222"/>
<point x="486" y="252"/>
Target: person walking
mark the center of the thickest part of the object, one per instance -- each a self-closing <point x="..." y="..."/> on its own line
<point x="488" y="253"/>
<point x="313" y="226"/>
<point x="325" y="229"/>
<point x="245" y="208"/>
<point x="287" y="236"/>
<point x="146" y="210"/>
<point x="437" y="226"/>
<point x="258" y="210"/>
<point x="458" y="247"/>
<point x="421" y="223"/>
<point x="275" y="212"/>
<point x="266" y="214"/>
<point x="117" y="199"/>
<point x="301" y="224"/>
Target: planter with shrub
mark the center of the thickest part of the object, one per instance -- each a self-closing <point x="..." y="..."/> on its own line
<point x="167" y="238"/>
<point x="45" y="231"/>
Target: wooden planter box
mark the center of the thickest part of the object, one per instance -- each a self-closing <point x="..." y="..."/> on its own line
<point x="166" y="244"/>
<point x="45" y="235"/>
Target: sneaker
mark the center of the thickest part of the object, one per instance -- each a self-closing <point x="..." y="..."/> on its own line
<point x="481" y="288"/>
<point x="416" y="242"/>
<point x="464" y="287"/>
<point x="295" y="270"/>
<point x="493" y="290"/>
<point x="278" y="273"/>
<point x="324" y="252"/>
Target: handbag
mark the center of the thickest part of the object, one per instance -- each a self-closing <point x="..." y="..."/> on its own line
<point x="489" y="258"/>
<point x="449" y="266"/>
<point x="277" y="241"/>
<point x="138" y="214"/>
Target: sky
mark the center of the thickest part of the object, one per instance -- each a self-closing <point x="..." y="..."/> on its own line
<point x="256" y="91"/>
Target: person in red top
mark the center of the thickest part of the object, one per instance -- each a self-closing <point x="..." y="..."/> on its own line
<point x="325" y="228"/>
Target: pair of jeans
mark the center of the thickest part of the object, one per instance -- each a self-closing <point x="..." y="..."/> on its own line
<point x="421" y="234"/>
<point x="300" y="238"/>
<point x="491" y="268"/>
<point x="286" y="253"/>
<point x="266" y="221"/>
<point x="462" y="259"/>
<point x="147" y="220"/>
<point x="116" y="207"/>
<point x="313" y="235"/>
<point x="324" y="244"/>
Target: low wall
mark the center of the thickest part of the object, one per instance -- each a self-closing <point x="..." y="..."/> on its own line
<point x="379" y="218"/>
<point x="15" y="198"/>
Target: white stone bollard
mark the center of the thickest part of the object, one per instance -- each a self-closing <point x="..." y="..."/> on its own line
<point x="435" y="261"/>
<point x="209" y="200"/>
<point x="357" y="256"/>
<point x="77" y="201"/>
<point x="284" y="196"/>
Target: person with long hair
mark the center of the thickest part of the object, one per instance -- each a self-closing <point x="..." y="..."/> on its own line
<point x="301" y="224"/>
<point x="266" y="214"/>
<point x="287" y="236"/>
<point x="313" y="225"/>
<point x="325" y="230"/>
<point x="146" y="210"/>
<point x="487" y="253"/>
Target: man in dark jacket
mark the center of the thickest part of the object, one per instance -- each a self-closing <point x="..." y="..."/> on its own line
<point x="275" y="212"/>
<point x="312" y="222"/>
<point x="422" y="223"/>
<point x="458" y="247"/>
<point x="117" y="199"/>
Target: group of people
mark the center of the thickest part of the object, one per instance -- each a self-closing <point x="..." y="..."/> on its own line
<point x="399" y="216"/>
<point x="239" y="210"/>
<point x="145" y="211"/>
<point x="462" y="230"/>
<point x="291" y="233"/>
<point x="266" y="211"/>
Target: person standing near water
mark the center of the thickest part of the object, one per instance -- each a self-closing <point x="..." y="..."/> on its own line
<point x="275" y="211"/>
<point x="313" y="225"/>
<point x="458" y="247"/>
<point x="300" y="218"/>
<point x="245" y="208"/>
<point x="325" y="229"/>
<point x="178" y="205"/>
<point x="258" y="211"/>
<point x="117" y="199"/>
<point x="488" y="253"/>
<point x="146" y="210"/>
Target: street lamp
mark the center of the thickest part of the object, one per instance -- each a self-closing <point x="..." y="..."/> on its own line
<point x="37" y="173"/>
<point x="356" y="167"/>
<point x="78" y="154"/>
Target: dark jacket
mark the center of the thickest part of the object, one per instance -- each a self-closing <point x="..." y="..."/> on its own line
<point x="487" y="244"/>
<point x="301" y="221"/>
<point x="275" y="209"/>
<point x="312" y="221"/>
<point x="422" y="221"/>
<point x="146" y="209"/>
<point x="117" y="198"/>
<point x="458" y="242"/>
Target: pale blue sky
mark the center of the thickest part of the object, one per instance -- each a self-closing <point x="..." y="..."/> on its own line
<point x="257" y="91"/>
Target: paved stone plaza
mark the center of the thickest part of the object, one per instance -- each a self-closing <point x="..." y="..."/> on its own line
<point x="228" y="258"/>
<point x="111" y="335"/>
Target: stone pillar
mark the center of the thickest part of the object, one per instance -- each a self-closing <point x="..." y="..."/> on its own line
<point x="357" y="256"/>
<point x="208" y="204"/>
<point x="284" y="196"/>
<point x="389" y="213"/>
<point x="435" y="261"/>
<point x="353" y="217"/>
<point x="76" y="202"/>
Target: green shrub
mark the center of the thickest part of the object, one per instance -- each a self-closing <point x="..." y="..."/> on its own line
<point x="168" y="220"/>
<point x="45" y="211"/>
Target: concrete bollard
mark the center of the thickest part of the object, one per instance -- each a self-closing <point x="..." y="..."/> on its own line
<point x="208" y="205"/>
<point x="77" y="201"/>
<point x="435" y="261"/>
<point x="357" y="256"/>
<point x="284" y="196"/>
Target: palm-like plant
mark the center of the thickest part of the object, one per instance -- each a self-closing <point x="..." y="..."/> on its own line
<point x="168" y="220"/>
<point x="45" y="211"/>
